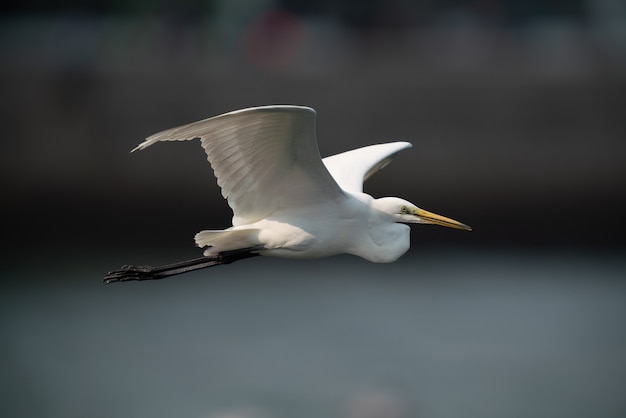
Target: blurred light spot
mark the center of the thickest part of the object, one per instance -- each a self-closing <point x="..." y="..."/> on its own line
<point x="271" y="42"/>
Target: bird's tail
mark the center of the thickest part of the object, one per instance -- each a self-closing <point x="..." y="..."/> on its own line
<point x="227" y="240"/>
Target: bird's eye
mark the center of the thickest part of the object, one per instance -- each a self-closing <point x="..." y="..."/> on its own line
<point x="404" y="209"/>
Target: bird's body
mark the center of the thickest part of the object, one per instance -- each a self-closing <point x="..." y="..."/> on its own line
<point x="286" y="200"/>
<point x="321" y="230"/>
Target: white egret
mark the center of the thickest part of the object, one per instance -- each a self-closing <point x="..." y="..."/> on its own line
<point x="286" y="200"/>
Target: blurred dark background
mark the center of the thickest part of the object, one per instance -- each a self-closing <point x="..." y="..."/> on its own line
<point x="516" y="110"/>
<point x="517" y="113"/>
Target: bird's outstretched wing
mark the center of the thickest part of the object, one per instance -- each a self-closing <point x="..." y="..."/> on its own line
<point x="351" y="168"/>
<point x="264" y="158"/>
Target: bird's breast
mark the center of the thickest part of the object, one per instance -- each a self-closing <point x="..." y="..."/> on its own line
<point x="386" y="242"/>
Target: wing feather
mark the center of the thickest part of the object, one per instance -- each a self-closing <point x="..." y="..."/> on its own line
<point x="351" y="168"/>
<point x="264" y="158"/>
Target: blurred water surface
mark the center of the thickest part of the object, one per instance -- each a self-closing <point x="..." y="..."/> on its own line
<point x="434" y="335"/>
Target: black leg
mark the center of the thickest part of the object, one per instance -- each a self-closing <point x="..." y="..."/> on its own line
<point x="127" y="273"/>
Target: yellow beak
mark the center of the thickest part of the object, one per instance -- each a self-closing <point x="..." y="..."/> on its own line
<point x="433" y="218"/>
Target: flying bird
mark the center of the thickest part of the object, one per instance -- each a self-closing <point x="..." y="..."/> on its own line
<point x="286" y="200"/>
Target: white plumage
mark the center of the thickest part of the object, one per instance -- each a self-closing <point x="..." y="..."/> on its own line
<point x="286" y="200"/>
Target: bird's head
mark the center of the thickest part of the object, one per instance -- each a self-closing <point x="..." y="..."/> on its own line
<point x="406" y="212"/>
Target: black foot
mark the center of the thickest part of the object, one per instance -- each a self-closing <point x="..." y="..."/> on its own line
<point x="128" y="273"/>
